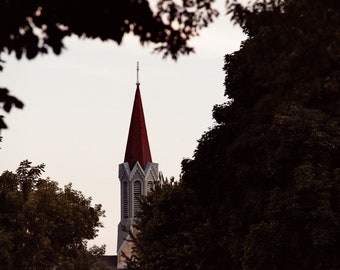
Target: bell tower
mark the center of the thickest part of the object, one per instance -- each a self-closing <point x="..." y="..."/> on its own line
<point x="137" y="176"/>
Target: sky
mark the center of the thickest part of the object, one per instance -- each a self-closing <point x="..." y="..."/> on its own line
<point x="78" y="107"/>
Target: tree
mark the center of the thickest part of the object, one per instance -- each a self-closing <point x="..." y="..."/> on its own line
<point x="266" y="177"/>
<point x="43" y="226"/>
<point x="36" y="27"/>
<point x="163" y="226"/>
<point x="273" y="158"/>
<point x="172" y="233"/>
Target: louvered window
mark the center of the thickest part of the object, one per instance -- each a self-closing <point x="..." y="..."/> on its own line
<point x="125" y="200"/>
<point x="149" y="186"/>
<point x="137" y="192"/>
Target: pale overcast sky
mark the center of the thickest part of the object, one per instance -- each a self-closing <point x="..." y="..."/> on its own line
<point x="78" y="107"/>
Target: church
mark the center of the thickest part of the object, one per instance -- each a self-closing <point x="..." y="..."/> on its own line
<point x="137" y="176"/>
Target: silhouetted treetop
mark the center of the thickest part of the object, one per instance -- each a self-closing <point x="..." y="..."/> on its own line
<point x="32" y="27"/>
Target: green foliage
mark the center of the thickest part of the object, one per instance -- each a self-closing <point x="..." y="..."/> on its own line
<point x="43" y="225"/>
<point x="264" y="183"/>
<point x="29" y="28"/>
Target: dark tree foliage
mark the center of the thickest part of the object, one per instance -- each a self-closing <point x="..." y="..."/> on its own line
<point x="43" y="226"/>
<point x="163" y="214"/>
<point x="174" y="232"/>
<point x="266" y="177"/>
<point x="32" y="27"/>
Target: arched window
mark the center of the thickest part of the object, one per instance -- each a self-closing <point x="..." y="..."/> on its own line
<point x="137" y="192"/>
<point x="125" y="200"/>
<point x="149" y="186"/>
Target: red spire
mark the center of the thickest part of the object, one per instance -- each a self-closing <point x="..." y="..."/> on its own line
<point x="137" y="147"/>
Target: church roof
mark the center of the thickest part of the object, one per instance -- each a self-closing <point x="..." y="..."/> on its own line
<point x="137" y="147"/>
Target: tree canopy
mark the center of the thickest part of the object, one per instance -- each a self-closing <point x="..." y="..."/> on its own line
<point x="43" y="226"/>
<point x="29" y="27"/>
<point x="265" y="179"/>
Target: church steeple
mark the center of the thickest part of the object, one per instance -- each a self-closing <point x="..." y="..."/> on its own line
<point x="137" y="147"/>
<point x="137" y="176"/>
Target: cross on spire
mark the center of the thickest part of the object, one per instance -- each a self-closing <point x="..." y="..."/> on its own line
<point x="137" y="74"/>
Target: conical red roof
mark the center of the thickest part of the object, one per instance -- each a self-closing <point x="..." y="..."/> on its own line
<point x="137" y="147"/>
